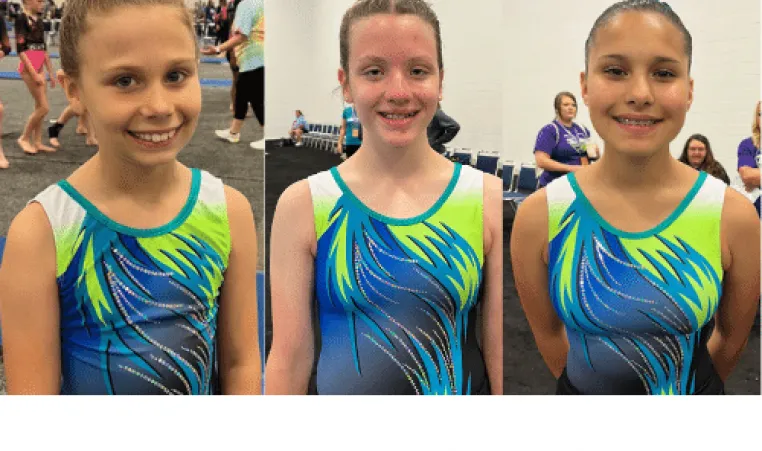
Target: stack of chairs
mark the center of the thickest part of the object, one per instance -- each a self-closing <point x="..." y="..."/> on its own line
<point x="525" y="184"/>
<point x="487" y="162"/>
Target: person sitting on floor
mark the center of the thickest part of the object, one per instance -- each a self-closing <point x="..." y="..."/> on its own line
<point x="298" y="128"/>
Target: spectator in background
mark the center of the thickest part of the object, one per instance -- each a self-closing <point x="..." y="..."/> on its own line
<point x="441" y="130"/>
<point x="697" y="153"/>
<point x="298" y="128"/>
<point x="350" y="134"/>
<point x="248" y="39"/>
<point x="561" y="146"/>
<point x="748" y="161"/>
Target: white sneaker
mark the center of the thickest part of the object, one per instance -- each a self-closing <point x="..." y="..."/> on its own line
<point x="259" y="145"/>
<point x="299" y="144"/>
<point x="227" y="136"/>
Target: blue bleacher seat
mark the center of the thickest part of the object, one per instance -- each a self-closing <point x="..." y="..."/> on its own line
<point x="463" y="158"/>
<point x="487" y="163"/>
<point x="507" y="176"/>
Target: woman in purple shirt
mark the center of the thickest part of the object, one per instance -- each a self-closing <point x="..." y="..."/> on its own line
<point x="561" y="146"/>
<point x="748" y="159"/>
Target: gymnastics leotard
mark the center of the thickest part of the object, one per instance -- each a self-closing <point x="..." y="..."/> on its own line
<point x="138" y="307"/>
<point x="396" y="298"/>
<point x="637" y="307"/>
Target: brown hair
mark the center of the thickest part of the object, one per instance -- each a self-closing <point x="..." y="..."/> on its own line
<point x="708" y="159"/>
<point x="74" y="25"/>
<point x="366" y="8"/>
<point x="646" y="6"/>
<point x="755" y="127"/>
<point x="559" y="98"/>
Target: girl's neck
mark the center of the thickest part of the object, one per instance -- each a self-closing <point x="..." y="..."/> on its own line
<point x="116" y="176"/>
<point x="565" y="123"/>
<point x="623" y="172"/>
<point x="375" y="159"/>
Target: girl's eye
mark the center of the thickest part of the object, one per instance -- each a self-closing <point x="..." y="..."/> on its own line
<point x="615" y="71"/>
<point x="176" y="77"/>
<point x="124" y="82"/>
<point x="664" y="74"/>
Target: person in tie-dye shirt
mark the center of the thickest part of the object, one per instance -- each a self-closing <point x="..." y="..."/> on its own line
<point x="248" y="36"/>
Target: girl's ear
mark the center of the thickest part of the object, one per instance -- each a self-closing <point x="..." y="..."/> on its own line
<point x="344" y="82"/>
<point x="72" y="91"/>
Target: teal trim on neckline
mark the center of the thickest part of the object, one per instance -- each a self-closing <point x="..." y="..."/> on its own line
<point x="648" y="233"/>
<point x="396" y="221"/>
<point x="139" y="233"/>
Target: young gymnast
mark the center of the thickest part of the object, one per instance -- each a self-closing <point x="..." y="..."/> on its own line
<point x="136" y="274"/>
<point x="639" y="274"/>
<point x="82" y="129"/>
<point x="399" y="245"/>
<point x="32" y="51"/>
<point x="5" y="49"/>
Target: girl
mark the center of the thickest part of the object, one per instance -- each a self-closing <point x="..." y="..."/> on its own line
<point x="748" y="161"/>
<point x="135" y="275"/>
<point x="561" y="146"/>
<point x="32" y="51"/>
<point x="623" y="267"/>
<point x="298" y="128"/>
<point x="399" y="244"/>
<point x="82" y="128"/>
<point x="350" y="133"/>
<point x="697" y="153"/>
<point x="5" y="48"/>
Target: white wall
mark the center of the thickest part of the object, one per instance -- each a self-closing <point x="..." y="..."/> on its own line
<point x="547" y="56"/>
<point x="302" y="59"/>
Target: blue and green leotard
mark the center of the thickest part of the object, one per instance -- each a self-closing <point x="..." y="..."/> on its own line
<point x="138" y="307"/>
<point x="396" y="298"/>
<point x="637" y="306"/>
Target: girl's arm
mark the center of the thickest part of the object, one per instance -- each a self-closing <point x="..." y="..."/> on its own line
<point x="240" y="366"/>
<point x="51" y="73"/>
<point x="545" y="162"/>
<point x="740" y="287"/>
<point x="492" y="307"/>
<point x="529" y="259"/>
<point x="292" y="249"/>
<point x="584" y="161"/>
<point x="342" y="134"/>
<point x="29" y="307"/>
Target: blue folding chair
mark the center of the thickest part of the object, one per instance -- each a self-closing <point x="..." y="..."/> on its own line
<point x="507" y="176"/>
<point x="526" y="185"/>
<point x="463" y="158"/>
<point x="487" y="163"/>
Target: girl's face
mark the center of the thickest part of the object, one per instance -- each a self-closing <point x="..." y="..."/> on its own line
<point x="637" y="88"/>
<point x="144" y="98"/>
<point x="394" y="80"/>
<point x="35" y="6"/>
<point x="696" y="153"/>
<point x="568" y="109"/>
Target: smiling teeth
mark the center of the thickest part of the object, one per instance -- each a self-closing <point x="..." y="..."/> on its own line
<point x="397" y="116"/>
<point x="156" y="137"/>
<point x="636" y="122"/>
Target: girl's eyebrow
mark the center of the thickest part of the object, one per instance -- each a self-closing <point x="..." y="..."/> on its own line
<point x="657" y="59"/>
<point x="137" y="68"/>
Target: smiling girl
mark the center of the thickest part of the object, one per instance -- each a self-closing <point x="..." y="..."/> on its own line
<point x="399" y="245"/>
<point x="639" y="274"/>
<point x="135" y="275"/>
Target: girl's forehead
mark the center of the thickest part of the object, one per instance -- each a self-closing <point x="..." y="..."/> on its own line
<point x="642" y="30"/>
<point x="389" y="32"/>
